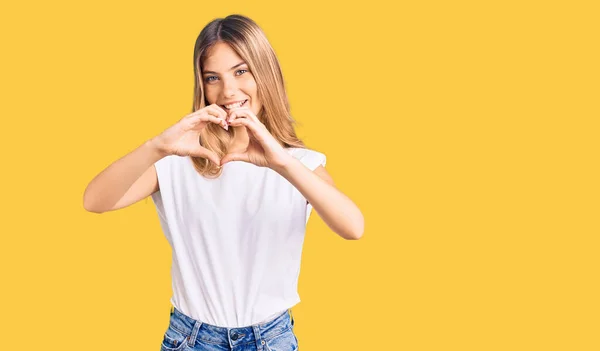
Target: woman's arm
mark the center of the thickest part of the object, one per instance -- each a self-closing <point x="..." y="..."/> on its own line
<point x="112" y="188"/>
<point x="335" y="208"/>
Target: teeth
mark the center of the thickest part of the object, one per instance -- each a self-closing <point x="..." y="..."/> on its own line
<point x="234" y="105"/>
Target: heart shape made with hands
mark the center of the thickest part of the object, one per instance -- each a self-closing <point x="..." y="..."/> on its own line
<point x="263" y="150"/>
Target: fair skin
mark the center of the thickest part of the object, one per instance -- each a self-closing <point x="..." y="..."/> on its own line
<point x="227" y="82"/>
<point x="230" y="83"/>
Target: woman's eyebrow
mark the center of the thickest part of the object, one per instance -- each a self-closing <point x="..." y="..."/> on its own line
<point x="239" y="64"/>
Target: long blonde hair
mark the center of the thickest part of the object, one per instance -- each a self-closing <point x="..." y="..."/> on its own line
<point x="248" y="40"/>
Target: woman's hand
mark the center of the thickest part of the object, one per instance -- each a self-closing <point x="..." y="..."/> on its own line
<point x="183" y="138"/>
<point x="263" y="149"/>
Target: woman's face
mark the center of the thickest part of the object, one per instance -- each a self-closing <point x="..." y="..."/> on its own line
<point x="227" y="79"/>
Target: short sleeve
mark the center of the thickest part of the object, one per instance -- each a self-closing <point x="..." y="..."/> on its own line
<point x="312" y="159"/>
<point x="163" y="175"/>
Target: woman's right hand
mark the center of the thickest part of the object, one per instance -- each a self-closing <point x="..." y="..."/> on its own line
<point x="183" y="138"/>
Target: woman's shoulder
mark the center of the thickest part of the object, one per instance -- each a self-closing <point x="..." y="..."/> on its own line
<point x="172" y="163"/>
<point x="309" y="157"/>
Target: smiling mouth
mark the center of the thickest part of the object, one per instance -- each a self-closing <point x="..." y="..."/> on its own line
<point x="236" y="106"/>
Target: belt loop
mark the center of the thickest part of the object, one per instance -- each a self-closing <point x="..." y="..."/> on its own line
<point x="195" y="332"/>
<point x="172" y="309"/>
<point x="259" y="341"/>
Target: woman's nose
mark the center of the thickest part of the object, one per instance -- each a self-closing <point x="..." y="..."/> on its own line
<point x="229" y="87"/>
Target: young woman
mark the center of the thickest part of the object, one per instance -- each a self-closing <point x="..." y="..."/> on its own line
<point x="233" y="187"/>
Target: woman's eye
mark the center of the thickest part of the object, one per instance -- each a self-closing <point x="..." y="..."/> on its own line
<point x="208" y="79"/>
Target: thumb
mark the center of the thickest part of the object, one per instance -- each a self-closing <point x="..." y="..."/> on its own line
<point x="234" y="157"/>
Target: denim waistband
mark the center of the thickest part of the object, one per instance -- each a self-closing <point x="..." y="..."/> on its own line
<point x="207" y="333"/>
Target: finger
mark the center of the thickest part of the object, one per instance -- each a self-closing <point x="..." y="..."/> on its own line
<point x="218" y="110"/>
<point x="231" y="117"/>
<point x="249" y="124"/>
<point x="235" y="115"/>
<point x="239" y="114"/>
<point x="235" y="157"/>
<point x="245" y="111"/>
<point x="209" y="118"/>
<point x="214" y="110"/>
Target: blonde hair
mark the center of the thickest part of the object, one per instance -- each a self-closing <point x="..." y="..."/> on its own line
<point x="248" y="40"/>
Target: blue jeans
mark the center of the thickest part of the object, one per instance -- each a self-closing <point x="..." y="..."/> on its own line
<point x="186" y="333"/>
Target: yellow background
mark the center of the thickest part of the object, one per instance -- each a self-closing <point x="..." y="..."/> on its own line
<point x="466" y="131"/>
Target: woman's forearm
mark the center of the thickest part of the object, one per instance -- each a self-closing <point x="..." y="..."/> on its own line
<point x="333" y="206"/>
<point x="109" y="186"/>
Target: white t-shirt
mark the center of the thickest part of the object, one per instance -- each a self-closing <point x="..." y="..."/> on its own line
<point x="236" y="240"/>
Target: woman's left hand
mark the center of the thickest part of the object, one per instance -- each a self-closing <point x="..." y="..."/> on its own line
<point x="263" y="149"/>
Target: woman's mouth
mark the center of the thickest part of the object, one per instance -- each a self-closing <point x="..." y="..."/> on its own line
<point x="236" y="105"/>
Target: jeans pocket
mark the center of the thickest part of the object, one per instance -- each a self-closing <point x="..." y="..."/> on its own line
<point x="173" y="340"/>
<point x="285" y="341"/>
